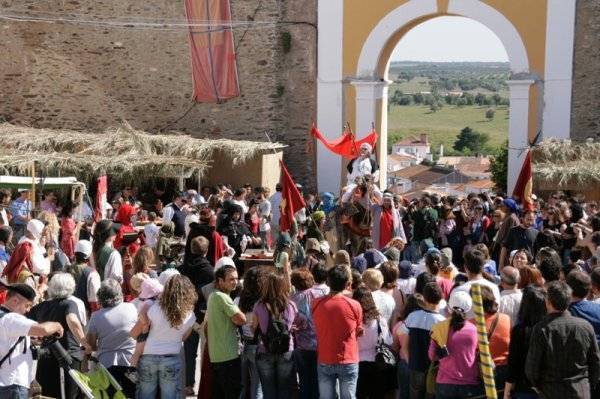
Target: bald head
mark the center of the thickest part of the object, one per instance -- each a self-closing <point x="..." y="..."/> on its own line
<point x="509" y="276"/>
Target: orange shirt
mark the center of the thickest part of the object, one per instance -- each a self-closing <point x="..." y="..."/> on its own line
<point x="500" y="338"/>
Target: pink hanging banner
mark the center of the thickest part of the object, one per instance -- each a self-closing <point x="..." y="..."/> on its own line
<point x="214" y="67"/>
<point x="101" y="199"/>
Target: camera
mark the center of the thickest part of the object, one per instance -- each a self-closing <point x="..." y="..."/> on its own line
<point x="51" y="346"/>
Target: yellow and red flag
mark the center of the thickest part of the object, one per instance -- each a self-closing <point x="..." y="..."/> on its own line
<point x="524" y="187"/>
<point x="291" y="199"/>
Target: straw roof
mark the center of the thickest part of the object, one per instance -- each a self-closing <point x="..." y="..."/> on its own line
<point x="567" y="163"/>
<point x="121" y="152"/>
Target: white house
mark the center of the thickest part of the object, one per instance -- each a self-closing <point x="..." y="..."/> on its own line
<point x="417" y="147"/>
<point x="396" y="162"/>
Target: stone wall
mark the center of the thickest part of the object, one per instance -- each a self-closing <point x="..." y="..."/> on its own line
<point x="89" y="78"/>
<point x="585" y="120"/>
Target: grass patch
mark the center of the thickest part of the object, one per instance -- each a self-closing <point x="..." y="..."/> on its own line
<point x="444" y="125"/>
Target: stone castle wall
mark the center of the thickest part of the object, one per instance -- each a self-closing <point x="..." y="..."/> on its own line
<point x="89" y="78"/>
<point x="585" y="119"/>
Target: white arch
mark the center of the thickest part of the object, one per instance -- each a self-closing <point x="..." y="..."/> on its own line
<point x="370" y="56"/>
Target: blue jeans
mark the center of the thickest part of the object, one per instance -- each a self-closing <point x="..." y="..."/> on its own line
<point x="14" y="392"/>
<point x="452" y="391"/>
<point x="306" y="364"/>
<point x="250" y="378"/>
<point x="346" y="374"/>
<point x="403" y="379"/>
<point x="159" y="371"/>
<point x="277" y="375"/>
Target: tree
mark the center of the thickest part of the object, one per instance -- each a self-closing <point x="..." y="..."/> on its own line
<point x="418" y="98"/>
<point x="499" y="168"/>
<point x="461" y="102"/>
<point x="470" y="139"/>
<point x="480" y="99"/>
<point x="434" y="107"/>
<point x="489" y="113"/>
<point x="468" y="98"/>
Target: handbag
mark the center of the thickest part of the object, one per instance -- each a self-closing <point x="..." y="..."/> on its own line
<point x="385" y="357"/>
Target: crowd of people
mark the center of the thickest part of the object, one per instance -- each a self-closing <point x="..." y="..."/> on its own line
<point x="369" y="294"/>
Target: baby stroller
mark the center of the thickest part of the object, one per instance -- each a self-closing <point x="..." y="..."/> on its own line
<point x="97" y="384"/>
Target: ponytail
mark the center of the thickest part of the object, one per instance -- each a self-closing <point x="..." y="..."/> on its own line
<point x="458" y="319"/>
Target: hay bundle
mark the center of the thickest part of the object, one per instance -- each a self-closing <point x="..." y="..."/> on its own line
<point x="121" y="152"/>
<point x="567" y="163"/>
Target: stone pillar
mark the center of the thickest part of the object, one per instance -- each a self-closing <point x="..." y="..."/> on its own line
<point x="371" y="108"/>
<point x="518" y="128"/>
<point x="330" y="102"/>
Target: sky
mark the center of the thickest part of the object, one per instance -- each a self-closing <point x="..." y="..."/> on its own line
<point x="450" y="39"/>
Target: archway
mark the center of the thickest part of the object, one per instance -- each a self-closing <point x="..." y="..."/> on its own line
<point x="537" y="86"/>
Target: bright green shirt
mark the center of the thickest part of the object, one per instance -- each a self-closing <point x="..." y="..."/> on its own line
<point x="223" y="341"/>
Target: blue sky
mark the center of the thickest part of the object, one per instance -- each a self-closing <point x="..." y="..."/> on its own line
<point x="450" y="39"/>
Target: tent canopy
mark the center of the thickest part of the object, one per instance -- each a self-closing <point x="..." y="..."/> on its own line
<point x="121" y="152"/>
<point x="567" y="163"/>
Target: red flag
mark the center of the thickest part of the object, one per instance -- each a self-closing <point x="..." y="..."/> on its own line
<point x="291" y="199"/>
<point x="524" y="187"/>
<point x="214" y="66"/>
<point x="346" y="145"/>
<point x="101" y="201"/>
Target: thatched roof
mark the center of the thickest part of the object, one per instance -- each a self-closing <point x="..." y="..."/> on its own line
<point x="567" y="163"/>
<point x="121" y="152"/>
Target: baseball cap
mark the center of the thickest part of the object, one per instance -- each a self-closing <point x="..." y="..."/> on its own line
<point x="460" y="300"/>
<point x="406" y="270"/>
<point x="150" y="288"/>
<point x="84" y="247"/>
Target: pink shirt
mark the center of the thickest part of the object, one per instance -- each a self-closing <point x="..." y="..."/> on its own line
<point x="446" y="286"/>
<point x="460" y="367"/>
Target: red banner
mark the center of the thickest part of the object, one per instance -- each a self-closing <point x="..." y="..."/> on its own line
<point x="291" y="199"/>
<point x="214" y="66"/>
<point x="346" y="145"/>
<point x="101" y="201"/>
<point x="524" y="187"/>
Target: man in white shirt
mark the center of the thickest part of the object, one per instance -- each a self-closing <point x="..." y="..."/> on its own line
<point x="474" y="261"/>
<point x="151" y="231"/>
<point x="363" y="165"/>
<point x="16" y="369"/>
<point x="239" y="198"/>
<point x="511" y="296"/>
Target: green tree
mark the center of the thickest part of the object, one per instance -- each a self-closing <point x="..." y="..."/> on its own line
<point x="489" y="113"/>
<point x="461" y="102"/>
<point x="418" y="98"/>
<point x="499" y="168"/>
<point x="470" y="139"/>
<point x="434" y="107"/>
<point x="480" y="99"/>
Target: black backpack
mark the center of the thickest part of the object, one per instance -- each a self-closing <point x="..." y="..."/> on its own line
<point x="278" y="336"/>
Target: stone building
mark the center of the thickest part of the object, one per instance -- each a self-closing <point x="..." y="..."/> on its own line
<point x="88" y="78"/>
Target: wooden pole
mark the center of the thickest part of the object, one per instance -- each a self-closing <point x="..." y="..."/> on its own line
<point x="32" y="197"/>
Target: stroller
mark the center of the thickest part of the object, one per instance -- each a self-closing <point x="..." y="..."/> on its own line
<point x="97" y="384"/>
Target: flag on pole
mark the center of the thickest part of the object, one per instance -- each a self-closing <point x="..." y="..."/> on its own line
<point x="346" y="146"/>
<point x="101" y="201"/>
<point x="524" y="187"/>
<point x="291" y="199"/>
<point x="486" y="362"/>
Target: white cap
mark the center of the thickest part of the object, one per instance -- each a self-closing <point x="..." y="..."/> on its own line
<point x="35" y="227"/>
<point x="460" y="300"/>
<point x="84" y="247"/>
<point x="224" y="261"/>
<point x="166" y="275"/>
<point x="367" y="146"/>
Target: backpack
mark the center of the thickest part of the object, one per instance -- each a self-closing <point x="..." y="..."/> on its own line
<point x="278" y="336"/>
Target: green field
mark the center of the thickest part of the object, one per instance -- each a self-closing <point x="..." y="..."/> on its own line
<point x="421" y="84"/>
<point x="444" y="125"/>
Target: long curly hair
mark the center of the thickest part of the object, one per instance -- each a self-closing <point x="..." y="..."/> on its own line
<point x="178" y="299"/>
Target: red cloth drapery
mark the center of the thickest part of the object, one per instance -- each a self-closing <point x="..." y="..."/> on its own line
<point x="214" y="67"/>
<point x="291" y="199"/>
<point x="346" y="145"/>
<point x="524" y="187"/>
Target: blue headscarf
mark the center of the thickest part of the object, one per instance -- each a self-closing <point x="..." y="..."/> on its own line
<point x="328" y="202"/>
<point x="511" y="204"/>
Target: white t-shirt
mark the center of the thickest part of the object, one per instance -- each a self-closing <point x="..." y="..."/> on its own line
<point x="384" y="303"/>
<point x="162" y="338"/>
<point x="466" y="287"/>
<point x="18" y="369"/>
<point x="367" y="343"/>
<point x="81" y="313"/>
<point x="151" y="232"/>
